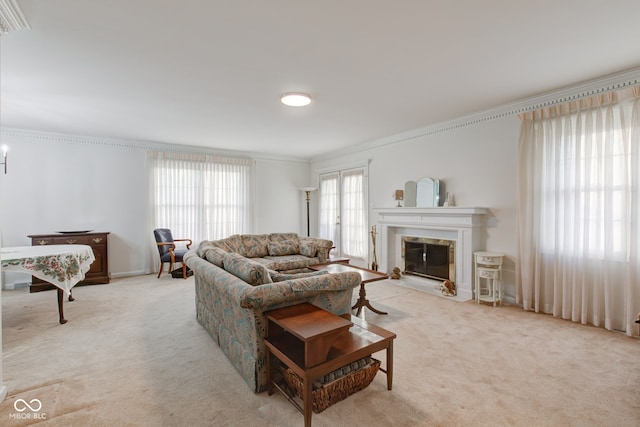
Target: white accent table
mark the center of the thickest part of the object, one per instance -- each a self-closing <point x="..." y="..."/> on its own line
<point x="488" y="276"/>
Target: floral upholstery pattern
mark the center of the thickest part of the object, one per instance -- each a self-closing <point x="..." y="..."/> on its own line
<point x="283" y="247"/>
<point x="253" y="273"/>
<point x="290" y="262"/>
<point x="232" y="310"/>
<point x="215" y="256"/>
<point x="276" y="276"/>
<point x="255" y="245"/>
<point x="308" y="248"/>
<point x="280" y="237"/>
<point x="230" y="244"/>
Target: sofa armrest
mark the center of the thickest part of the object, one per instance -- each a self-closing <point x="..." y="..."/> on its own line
<point x="324" y="247"/>
<point x="289" y="292"/>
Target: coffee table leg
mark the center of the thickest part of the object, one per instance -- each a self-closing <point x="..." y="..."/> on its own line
<point x="364" y="302"/>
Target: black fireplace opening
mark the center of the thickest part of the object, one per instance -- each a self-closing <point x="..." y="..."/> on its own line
<point x="429" y="259"/>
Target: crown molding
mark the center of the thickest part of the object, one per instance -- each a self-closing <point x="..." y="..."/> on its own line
<point x="581" y="90"/>
<point x="11" y="17"/>
<point x="49" y="137"/>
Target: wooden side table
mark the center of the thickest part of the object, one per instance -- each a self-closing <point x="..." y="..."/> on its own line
<point x="291" y="333"/>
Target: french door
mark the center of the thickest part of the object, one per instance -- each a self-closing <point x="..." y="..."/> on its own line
<point x="343" y="214"/>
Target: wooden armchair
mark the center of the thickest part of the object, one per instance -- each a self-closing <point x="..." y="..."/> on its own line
<point x="168" y="252"/>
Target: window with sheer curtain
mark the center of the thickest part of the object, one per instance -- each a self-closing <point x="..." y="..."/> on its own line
<point x="200" y="197"/>
<point x="328" y="207"/>
<point x="579" y="210"/>
<point x="342" y="213"/>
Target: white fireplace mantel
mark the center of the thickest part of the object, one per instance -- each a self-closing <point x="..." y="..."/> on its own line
<point x="462" y="224"/>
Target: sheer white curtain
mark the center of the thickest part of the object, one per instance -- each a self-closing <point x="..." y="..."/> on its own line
<point x="200" y="197"/>
<point x="354" y="220"/>
<point x="579" y="213"/>
<point x="342" y="211"/>
<point x="328" y="208"/>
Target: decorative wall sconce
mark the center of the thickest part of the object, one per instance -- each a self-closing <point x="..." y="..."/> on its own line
<point x="4" y="155"/>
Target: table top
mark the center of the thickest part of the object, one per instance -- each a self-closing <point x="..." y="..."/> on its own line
<point x="487" y="253"/>
<point x="366" y="274"/>
<point x="61" y="265"/>
<point x="306" y="321"/>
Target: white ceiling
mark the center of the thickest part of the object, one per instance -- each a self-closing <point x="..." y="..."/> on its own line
<point x="210" y="73"/>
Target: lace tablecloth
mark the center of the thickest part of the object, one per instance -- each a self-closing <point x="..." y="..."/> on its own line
<point x="61" y="265"/>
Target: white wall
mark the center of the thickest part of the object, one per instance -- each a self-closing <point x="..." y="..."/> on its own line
<point x="57" y="186"/>
<point x="477" y="164"/>
<point x="53" y="185"/>
<point x="280" y="205"/>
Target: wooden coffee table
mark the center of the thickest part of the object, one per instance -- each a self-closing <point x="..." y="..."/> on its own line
<point x="294" y="331"/>
<point x="366" y="275"/>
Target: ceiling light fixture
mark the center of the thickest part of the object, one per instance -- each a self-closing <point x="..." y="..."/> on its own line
<point x="295" y="99"/>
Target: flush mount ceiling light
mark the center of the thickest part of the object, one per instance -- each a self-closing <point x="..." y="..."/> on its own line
<point x="295" y="99"/>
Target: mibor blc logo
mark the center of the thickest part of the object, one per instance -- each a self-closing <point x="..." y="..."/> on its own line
<point x="28" y="410"/>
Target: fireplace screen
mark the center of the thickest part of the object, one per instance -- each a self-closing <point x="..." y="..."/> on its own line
<point x="432" y="258"/>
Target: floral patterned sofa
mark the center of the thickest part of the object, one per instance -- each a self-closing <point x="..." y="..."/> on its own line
<point x="234" y="289"/>
<point x="278" y="251"/>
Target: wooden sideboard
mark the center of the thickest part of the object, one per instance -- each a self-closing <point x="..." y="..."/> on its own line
<point x="99" y="271"/>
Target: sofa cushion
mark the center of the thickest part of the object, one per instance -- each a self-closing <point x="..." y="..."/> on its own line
<point x="290" y="262"/>
<point x="283" y="247"/>
<point x="255" y="245"/>
<point x="279" y="237"/>
<point x="280" y="277"/>
<point x="308" y="248"/>
<point x="231" y="244"/>
<point x="215" y="255"/>
<point x="251" y="272"/>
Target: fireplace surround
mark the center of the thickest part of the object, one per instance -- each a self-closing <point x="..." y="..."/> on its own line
<point x="432" y="258"/>
<point x="463" y="226"/>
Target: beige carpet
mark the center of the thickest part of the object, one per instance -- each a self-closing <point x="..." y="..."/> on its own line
<point x="133" y="354"/>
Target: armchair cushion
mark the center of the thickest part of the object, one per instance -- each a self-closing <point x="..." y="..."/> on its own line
<point x="179" y="254"/>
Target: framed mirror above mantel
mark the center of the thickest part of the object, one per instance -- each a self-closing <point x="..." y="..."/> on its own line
<point x="425" y="193"/>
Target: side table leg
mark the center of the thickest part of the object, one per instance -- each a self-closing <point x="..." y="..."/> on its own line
<point x="390" y="365"/>
<point x="60" y="309"/>
<point x="269" y="379"/>
<point x="308" y="402"/>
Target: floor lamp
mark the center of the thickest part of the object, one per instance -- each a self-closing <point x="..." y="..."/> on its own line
<point x="308" y="191"/>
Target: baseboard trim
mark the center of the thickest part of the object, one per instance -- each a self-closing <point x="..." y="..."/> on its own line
<point x="128" y="274"/>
